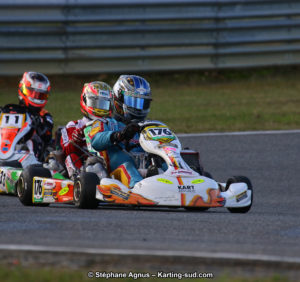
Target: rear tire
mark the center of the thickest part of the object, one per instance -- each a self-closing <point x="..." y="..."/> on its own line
<point x="237" y="179"/>
<point x="85" y="191"/>
<point x="25" y="183"/>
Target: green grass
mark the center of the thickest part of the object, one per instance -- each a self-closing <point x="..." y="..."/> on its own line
<point x="42" y="274"/>
<point x="263" y="99"/>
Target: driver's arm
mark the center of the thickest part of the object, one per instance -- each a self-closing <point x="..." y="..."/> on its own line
<point x="102" y="140"/>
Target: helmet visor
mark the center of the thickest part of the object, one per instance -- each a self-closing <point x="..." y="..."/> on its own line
<point x="103" y="104"/>
<point x="137" y="103"/>
<point x="35" y="94"/>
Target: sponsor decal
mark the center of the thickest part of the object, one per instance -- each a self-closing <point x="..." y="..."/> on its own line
<point x="163" y="145"/>
<point x="141" y="90"/>
<point x="96" y="127"/>
<point x="120" y="193"/>
<point x="64" y="136"/>
<point x="169" y="150"/>
<point x="241" y="196"/>
<point x="49" y="119"/>
<point x="197" y="181"/>
<point x="63" y="191"/>
<point x="182" y="171"/>
<point x="48" y="193"/>
<point x="49" y="184"/>
<point x="186" y="188"/>
<point x="163" y="180"/>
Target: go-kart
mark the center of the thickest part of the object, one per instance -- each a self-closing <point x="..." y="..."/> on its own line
<point x="14" y="153"/>
<point x="178" y="186"/>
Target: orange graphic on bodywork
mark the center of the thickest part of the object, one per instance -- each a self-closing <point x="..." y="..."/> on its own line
<point x="7" y="138"/>
<point x="214" y="199"/>
<point x="113" y="194"/>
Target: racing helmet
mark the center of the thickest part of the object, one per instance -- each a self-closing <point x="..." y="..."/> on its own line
<point x="95" y="100"/>
<point x="34" y="89"/>
<point x="131" y="98"/>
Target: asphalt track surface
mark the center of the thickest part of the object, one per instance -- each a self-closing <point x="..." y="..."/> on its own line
<point x="272" y="227"/>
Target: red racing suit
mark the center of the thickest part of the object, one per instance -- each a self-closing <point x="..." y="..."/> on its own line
<point x="72" y="135"/>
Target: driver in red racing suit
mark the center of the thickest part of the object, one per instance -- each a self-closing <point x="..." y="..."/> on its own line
<point x="95" y="104"/>
<point x="33" y="95"/>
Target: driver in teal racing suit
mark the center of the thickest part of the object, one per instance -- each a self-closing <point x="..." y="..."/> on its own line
<point x="131" y="104"/>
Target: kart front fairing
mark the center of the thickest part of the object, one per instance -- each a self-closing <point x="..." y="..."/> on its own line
<point x="178" y="186"/>
<point x="13" y="127"/>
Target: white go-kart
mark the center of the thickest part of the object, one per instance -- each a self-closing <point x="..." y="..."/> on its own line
<point x="180" y="185"/>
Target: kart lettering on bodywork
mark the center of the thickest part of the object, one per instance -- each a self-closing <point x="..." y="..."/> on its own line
<point x="186" y="188"/>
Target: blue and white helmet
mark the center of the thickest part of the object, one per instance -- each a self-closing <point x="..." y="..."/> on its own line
<point x="131" y="98"/>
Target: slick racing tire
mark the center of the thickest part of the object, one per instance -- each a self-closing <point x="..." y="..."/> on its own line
<point x="25" y="183"/>
<point x="85" y="191"/>
<point x="237" y="179"/>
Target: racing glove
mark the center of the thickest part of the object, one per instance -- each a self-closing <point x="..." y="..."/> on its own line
<point x="36" y="121"/>
<point x="78" y="136"/>
<point x="126" y="134"/>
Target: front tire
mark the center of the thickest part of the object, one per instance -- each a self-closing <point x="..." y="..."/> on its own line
<point x="85" y="191"/>
<point x="25" y="183"/>
<point x="237" y="179"/>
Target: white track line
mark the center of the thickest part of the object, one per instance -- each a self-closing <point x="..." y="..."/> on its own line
<point x="216" y="255"/>
<point x="239" y="133"/>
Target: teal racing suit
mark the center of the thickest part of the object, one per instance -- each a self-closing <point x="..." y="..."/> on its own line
<point x="114" y="154"/>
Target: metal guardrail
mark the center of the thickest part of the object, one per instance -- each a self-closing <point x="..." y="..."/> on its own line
<point x="89" y="36"/>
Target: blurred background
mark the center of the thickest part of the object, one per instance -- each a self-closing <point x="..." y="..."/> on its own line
<point x="90" y="36"/>
<point x="231" y="64"/>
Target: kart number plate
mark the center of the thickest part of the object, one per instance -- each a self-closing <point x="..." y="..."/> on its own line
<point x="38" y="190"/>
<point x="163" y="134"/>
<point x="11" y="120"/>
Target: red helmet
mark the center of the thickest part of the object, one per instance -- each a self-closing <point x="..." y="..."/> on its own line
<point x="95" y="99"/>
<point x="33" y="91"/>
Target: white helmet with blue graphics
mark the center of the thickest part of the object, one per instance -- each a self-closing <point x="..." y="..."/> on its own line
<point x="131" y="98"/>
